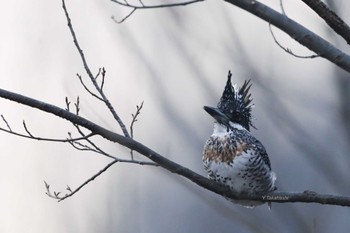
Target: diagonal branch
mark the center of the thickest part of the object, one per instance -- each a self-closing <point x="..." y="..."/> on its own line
<point x="72" y="192"/>
<point x="7" y="124"/>
<point x="91" y="76"/>
<point x="56" y="195"/>
<point x="330" y="17"/>
<point x="295" y="30"/>
<point x="281" y="197"/>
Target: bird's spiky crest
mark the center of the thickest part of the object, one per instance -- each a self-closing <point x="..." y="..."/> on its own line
<point x="236" y="103"/>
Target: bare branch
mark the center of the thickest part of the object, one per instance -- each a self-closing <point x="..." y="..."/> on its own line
<point x="306" y="197"/>
<point x="7" y="124"/>
<point x="143" y="6"/>
<point x="292" y="28"/>
<point x="89" y="73"/>
<point x="298" y="32"/>
<point x="26" y="129"/>
<point x="103" y="77"/>
<point x="134" y="119"/>
<point x="330" y="17"/>
<point x="56" y="195"/>
<point x="282" y="7"/>
<point x="47" y="186"/>
<point x="82" y="147"/>
<point x="77" y="106"/>
<point x="159" y="160"/>
<point x="140" y="2"/>
<point x="30" y="136"/>
<point x="67" y="104"/>
<point x="94" y="147"/>
<point x="87" y="181"/>
<point x="287" y="49"/>
<point x="125" y="18"/>
<point x="87" y="89"/>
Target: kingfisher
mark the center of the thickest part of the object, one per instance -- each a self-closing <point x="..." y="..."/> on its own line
<point x="232" y="156"/>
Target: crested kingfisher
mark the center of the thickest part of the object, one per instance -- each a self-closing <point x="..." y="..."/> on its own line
<point x="232" y="156"/>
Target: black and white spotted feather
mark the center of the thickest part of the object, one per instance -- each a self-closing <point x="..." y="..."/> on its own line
<point x="232" y="156"/>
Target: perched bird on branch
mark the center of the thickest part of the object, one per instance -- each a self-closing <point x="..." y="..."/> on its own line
<point x="232" y="156"/>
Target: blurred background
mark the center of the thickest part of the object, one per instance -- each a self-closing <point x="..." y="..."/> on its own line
<point x="175" y="60"/>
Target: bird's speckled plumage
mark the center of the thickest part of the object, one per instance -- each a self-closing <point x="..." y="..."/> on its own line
<point x="232" y="156"/>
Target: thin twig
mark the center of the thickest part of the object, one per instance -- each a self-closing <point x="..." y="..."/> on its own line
<point x="143" y="6"/>
<point x="282" y="7"/>
<point x="95" y="148"/>
<point x="67" y="104"/>
<point x="141" y="2"/>
<point x="125" y="18"/>
<point x="88" y="181"/>
<point x="56" y="195"/>
<point x="134" y="118"/>
<point x="7" y="124"/>
<point x="98" y="150"/>
<point x="87" y="89"/>
<point x="82" y="147"/>
<point x="89" y="73"/>
<point x="26" y="129"/>
<point x="103" y="78"/>
<point x="47" y="139"/>
<point x="77" y="106"/>
<point x="133" y="121"/>
<point x="83" y="134"/>
<point x="287" y="49"/>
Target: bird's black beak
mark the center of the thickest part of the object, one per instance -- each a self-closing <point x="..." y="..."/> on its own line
<point x="217" y="115"/>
